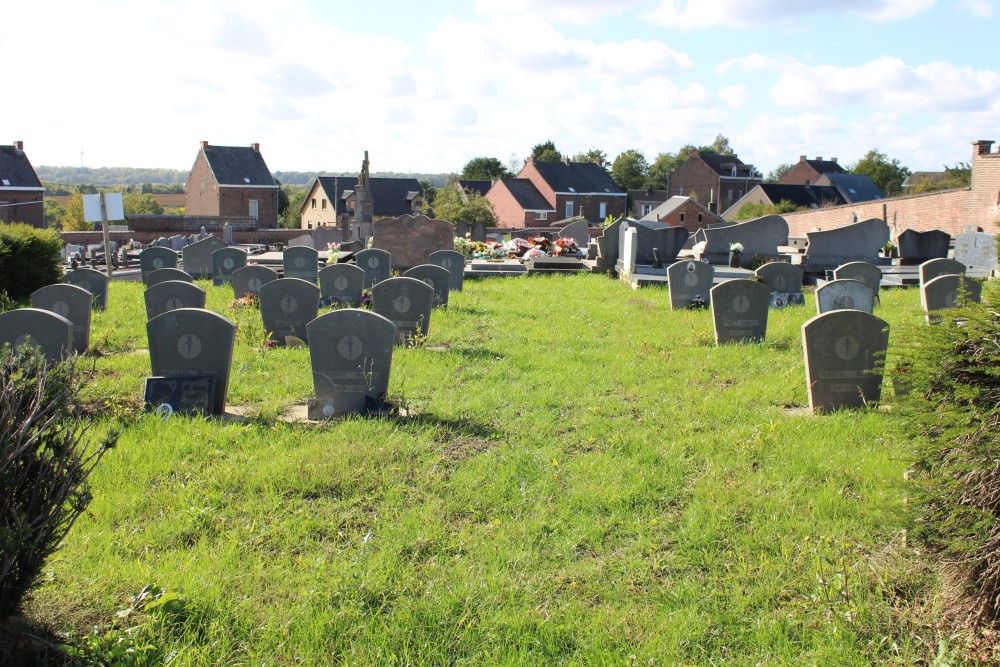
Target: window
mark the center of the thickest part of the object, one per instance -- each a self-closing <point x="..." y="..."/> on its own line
<point x="203" y="185"/>
<point x="680" y="190"/>
<point x="700" y="216"/>
<point x="730" y="195"/>
<point x="603" y="210"/>
<point x="314" y="202"/>
<point x="542" y="216"/>
<point x="569" y="209"/>
<point x="682" y="216"/>
<point x="254" y="208"/>
<point x="647" y="209"/>
<point x="323" y="205"/>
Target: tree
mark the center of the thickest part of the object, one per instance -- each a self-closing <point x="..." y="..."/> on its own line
<point x="546" y="152"/>
<point x="53" y="214"/>
<point x="292" y="218"/>
<point x="430" y="190"/>
<point x="283" y="199"/>
<point x="888" y="175"/>
<point x="959" y="176"/>
<point x="752" y="210"/>
<point x="449" y="204"/>
<point x="593" y="155"/>
<point x="630" y="170"/>
<point x="144" y="204"/>
<point x="72" y="220"/>
<point x="484" y="169"/>
<point x="775" y="175"/>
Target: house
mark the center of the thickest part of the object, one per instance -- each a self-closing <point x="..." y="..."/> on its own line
<point x="329" y="197"/>
<point x="683" y="212"/>
<point x="642" y="202"/>
<point x="21" y="193"/>
<point x="919" y="178"/>
<point x="717" y="180"/>
<point x="232" y="181"/>
<point x="852" y="187"/>
<point x="477" y="187"/>
<point x="801" y="196"/>
<point x="807" y="172"/>
<point x="549" y="191"/>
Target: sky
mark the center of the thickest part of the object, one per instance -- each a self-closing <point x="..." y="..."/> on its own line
<point x="427" y="86"/>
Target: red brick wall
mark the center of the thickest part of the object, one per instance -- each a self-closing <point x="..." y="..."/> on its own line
<point x="235" y="201"/>
<point x="801" y="174"/>
<point x="198" y="201"/>
<point x="509" y="213"/>
<point x="590" y="206"/>
<point x="31" y="214"/>
<point x="690" y="221"/>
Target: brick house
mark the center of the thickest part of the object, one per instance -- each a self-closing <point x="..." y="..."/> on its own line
<point x="21" y="193"/>
<point x="717" y="180"/>
<point x="232" y="181"/>
<point x="642" y="202"/>
<point x="685" y="212"/>
<point x="548" y="191"/>
<point x="801" y="196"/>
<point x="806" y="171"/>
<point x="329" y="197"/>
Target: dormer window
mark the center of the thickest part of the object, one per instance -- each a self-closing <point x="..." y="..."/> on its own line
<point x="572" y="189"/>
<point x="6" y="182"/>
<point x="246" y="180"/>
<point x="734" y="171"/>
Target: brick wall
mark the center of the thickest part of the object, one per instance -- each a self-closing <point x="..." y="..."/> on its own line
<point x="251" y="237"/>
<point x="28" y="213"/>
<point x="201" y="192"/>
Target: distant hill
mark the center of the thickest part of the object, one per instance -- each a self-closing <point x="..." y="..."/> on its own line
<point x="109" y="176"/>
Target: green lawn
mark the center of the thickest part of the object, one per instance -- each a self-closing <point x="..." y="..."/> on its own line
<point x="577" y="476"/>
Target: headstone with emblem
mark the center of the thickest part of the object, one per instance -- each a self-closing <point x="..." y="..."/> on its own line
<point x="407" y="302"/>
<point x="163" y="275"/>
<point x="946" y="292"/>
<point x="739" y="311"/>
<point x="866" y="272"/>
<point x="191" y="341"/>
<point x="843" y="351"/>
<point x="151" y="259"/>
<point x="301" y="262"/>
<point x="454" y="262"/>
<point x="224" y="262"/>
<point x="689" y="281"/>
<point x="341" y="283"/>
<point x="50" y="332"/>
<point x="844" y="295"/>
<point x="250" y="279"/>
<point x="377" y="265"/>
<point x="437" y="277"/>
<point x="72" y="302"/>
<point x="287" y="305"/>
<point x="171" y="295"/>
<point x="784" y="280"/>
<point x="197" y="256"/>
<point x="934" y="268"/>
<point x="93" y="281"/>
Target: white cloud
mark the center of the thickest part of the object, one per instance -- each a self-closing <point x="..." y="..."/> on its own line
<point x="981" y="8"/>
<point x="581" y="12"/>
<point x="734" y="96"/>
<point x="782" y="13"/>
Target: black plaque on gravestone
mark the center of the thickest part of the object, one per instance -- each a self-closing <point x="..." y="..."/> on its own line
<point x="184" y="394"/>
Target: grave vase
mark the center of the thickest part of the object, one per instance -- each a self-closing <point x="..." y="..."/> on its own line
<point x="734" y="260"/>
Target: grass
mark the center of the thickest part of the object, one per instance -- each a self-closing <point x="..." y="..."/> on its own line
<point x="579" y="477"/>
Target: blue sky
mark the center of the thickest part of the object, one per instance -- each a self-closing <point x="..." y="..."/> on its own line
<point x="427" y="86"/>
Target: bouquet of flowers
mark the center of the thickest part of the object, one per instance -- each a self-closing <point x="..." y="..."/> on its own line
<point x="464" y="244"/>
<point x="489" y="250"/>
<point x="332" y="249"/>
<point x="736" y="248"/>
<point x="541" y="243"/>
<point x="564" y="248"/>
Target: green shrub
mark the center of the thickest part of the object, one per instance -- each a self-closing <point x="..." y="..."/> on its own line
<point x="44" y="464"/>
<point x="953" y="413"/>
<point x="29" y="259"/>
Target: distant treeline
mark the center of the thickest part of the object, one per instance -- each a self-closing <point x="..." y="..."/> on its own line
<point x="111" y="176"/>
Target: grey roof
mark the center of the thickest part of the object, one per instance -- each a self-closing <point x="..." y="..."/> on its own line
<point x="825" y="166"/>
<point x="578" y="177"/>
<point x="668" y="207"/>
<point x="810" y="196"/>
<point x="475" y="186"/>
<point x="526" y="194"/>
<point x="392" y="196"/>
<point x="237" y="165"/>
<point x="649" y="195"/>
<point x="724" y="164"/>
<point x="852" y="187"/>
<point x="918" y="177"/>
<point x="16" y="169"/>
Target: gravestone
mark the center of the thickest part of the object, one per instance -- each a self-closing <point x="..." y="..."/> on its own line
<point x="479" y="232"/>
<point x="351" y="246"/>
<point x="579" y="231"/>
<point x="463" y="228"/>
<point x="341" y="283"/>
<point x="976" y="250"/>
<point x="650" y="235"/>
<point x="859" y="242"/>
<point x="304" y="240"/>
<point x="72" y="302"/>
<point x="287" y="305"/>
<point x="845" y="295"/>
<point x="377" y="265"/>
<point x="227" y="233"/>
<point x="607" y="245"/>
<point x="91" y="280"/>
<point x="197" y="257"/>
<point x="784" y="280"/>
<point x="151" y="259"/>
<point x="453" y="262"/>
<point x="761" y="236"/>
<point x="407" y="302"/>
<point x="191" y="341"/>
<point x="171" y="295"/>
<point x="625" y="266"/>
<point x="437" y="277"/>
<point x="918" y="247"/>
<point x="687" y="280"/>
<point x="163" y="275"/>
<point x="351" y="355"/>
<point x="843" y="352"/>
<point x="301" y="262"/>
<point x="181" y="394"/>
<point x="495" y="237"/>
<point x="177" y="242"/>
<point x="943" y="292"/>
<point x="224" y="262"/>
<point x="867" y="273"/>
<point x="934" y="268"/>
<point x="250" y="279"/>
<point x="739" y="311"/>
<point x="410" y="240"/>
<point x="324" y="236"/>
<point x="50" y="332"/>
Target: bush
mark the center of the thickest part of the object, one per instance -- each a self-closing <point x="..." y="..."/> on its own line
<point x="44" y="464"/>
<point x="29" y="259"/>
<point x="953" y="413"/>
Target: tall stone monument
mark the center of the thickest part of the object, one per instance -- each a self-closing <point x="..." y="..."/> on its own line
<point x="364" y="204"/>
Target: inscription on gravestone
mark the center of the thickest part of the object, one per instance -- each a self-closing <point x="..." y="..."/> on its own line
<point x="739" y="311"/>
<point x="843" y="359"/>
<point x="183" y="394"/>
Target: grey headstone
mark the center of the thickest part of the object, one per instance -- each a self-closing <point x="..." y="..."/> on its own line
<point x="377" y="265"/>
<point x="867" y="273"/>
<point x="479" y="231"/>
<point x="151" y="259"/>
<point x="287" y="305"/>
<point x="351" y="246"/>
<point x="739" y="311"/>
<point x="72" y="302"/>
<point x="324" y="236"/>
<point x="301" y="262"/>
<point x="163" y="275"/>
<point x="304" y="240"/>
<point x="351" y="355"/>
<point x="845" y="295"/>
<point x="197" y="257"/>
<point x="437" y="277"/>
<point x="463" y="228"/>
<point x="227" y="234"/>
<point x="943" y="292"/>
<point x="842" y="351"/>
<point x="171" y="295"/>
<point x="454" y="263"/>
<point x="761" y="236"/>
<point x="608" y="244"/>
<point x="781" y="277"/>
<point x="495" y="237"/>
<point x="976" y="250"/>
<point x="860" y="242"/>
<point x="667" y="240"/>
<point x="688" y="279"/>
<point x="193" y="341"/>
<point x="579" y="231"/>
<point x="918" y="247"/>
<point x="250" y="279"/>
<point x="342" y="283"/>
<point x="407" y="302"/>
<point x="93" y="281"/>
<point x="50" y="332"/>
<point x="224" y="262"/>
<point x="177" y="243"/>
<point x="934" y="268"/>
<point x="625" y="265"/>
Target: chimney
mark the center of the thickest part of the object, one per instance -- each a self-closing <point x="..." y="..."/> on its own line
<point x="565" y="160"/>
<point x="19" y="145"/>
<point x="531" y="160"/>
<point x="982" y="147"/>
<point x="255" y="147"/>
<point x="802" y="158"/>
<point x="204" y="145"/>
<point x="819" y="158"/>
<point x="833" y="159"/>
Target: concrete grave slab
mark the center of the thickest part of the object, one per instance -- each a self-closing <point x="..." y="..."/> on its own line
<point x="843" y="352"/>
<point x="739" y="311"/>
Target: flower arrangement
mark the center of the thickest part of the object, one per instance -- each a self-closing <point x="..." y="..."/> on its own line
<point x="564" y="247"/>
<point x="541" y="243"/>
<point x="697" y="302"/>
<point x="464" y="244"/>
<point x="332" y="249"/>
<point x="489" y="250"/>
<point x="736" y="248"/>
<point x="250" y="300"/>
<point x="699" y="247"/>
